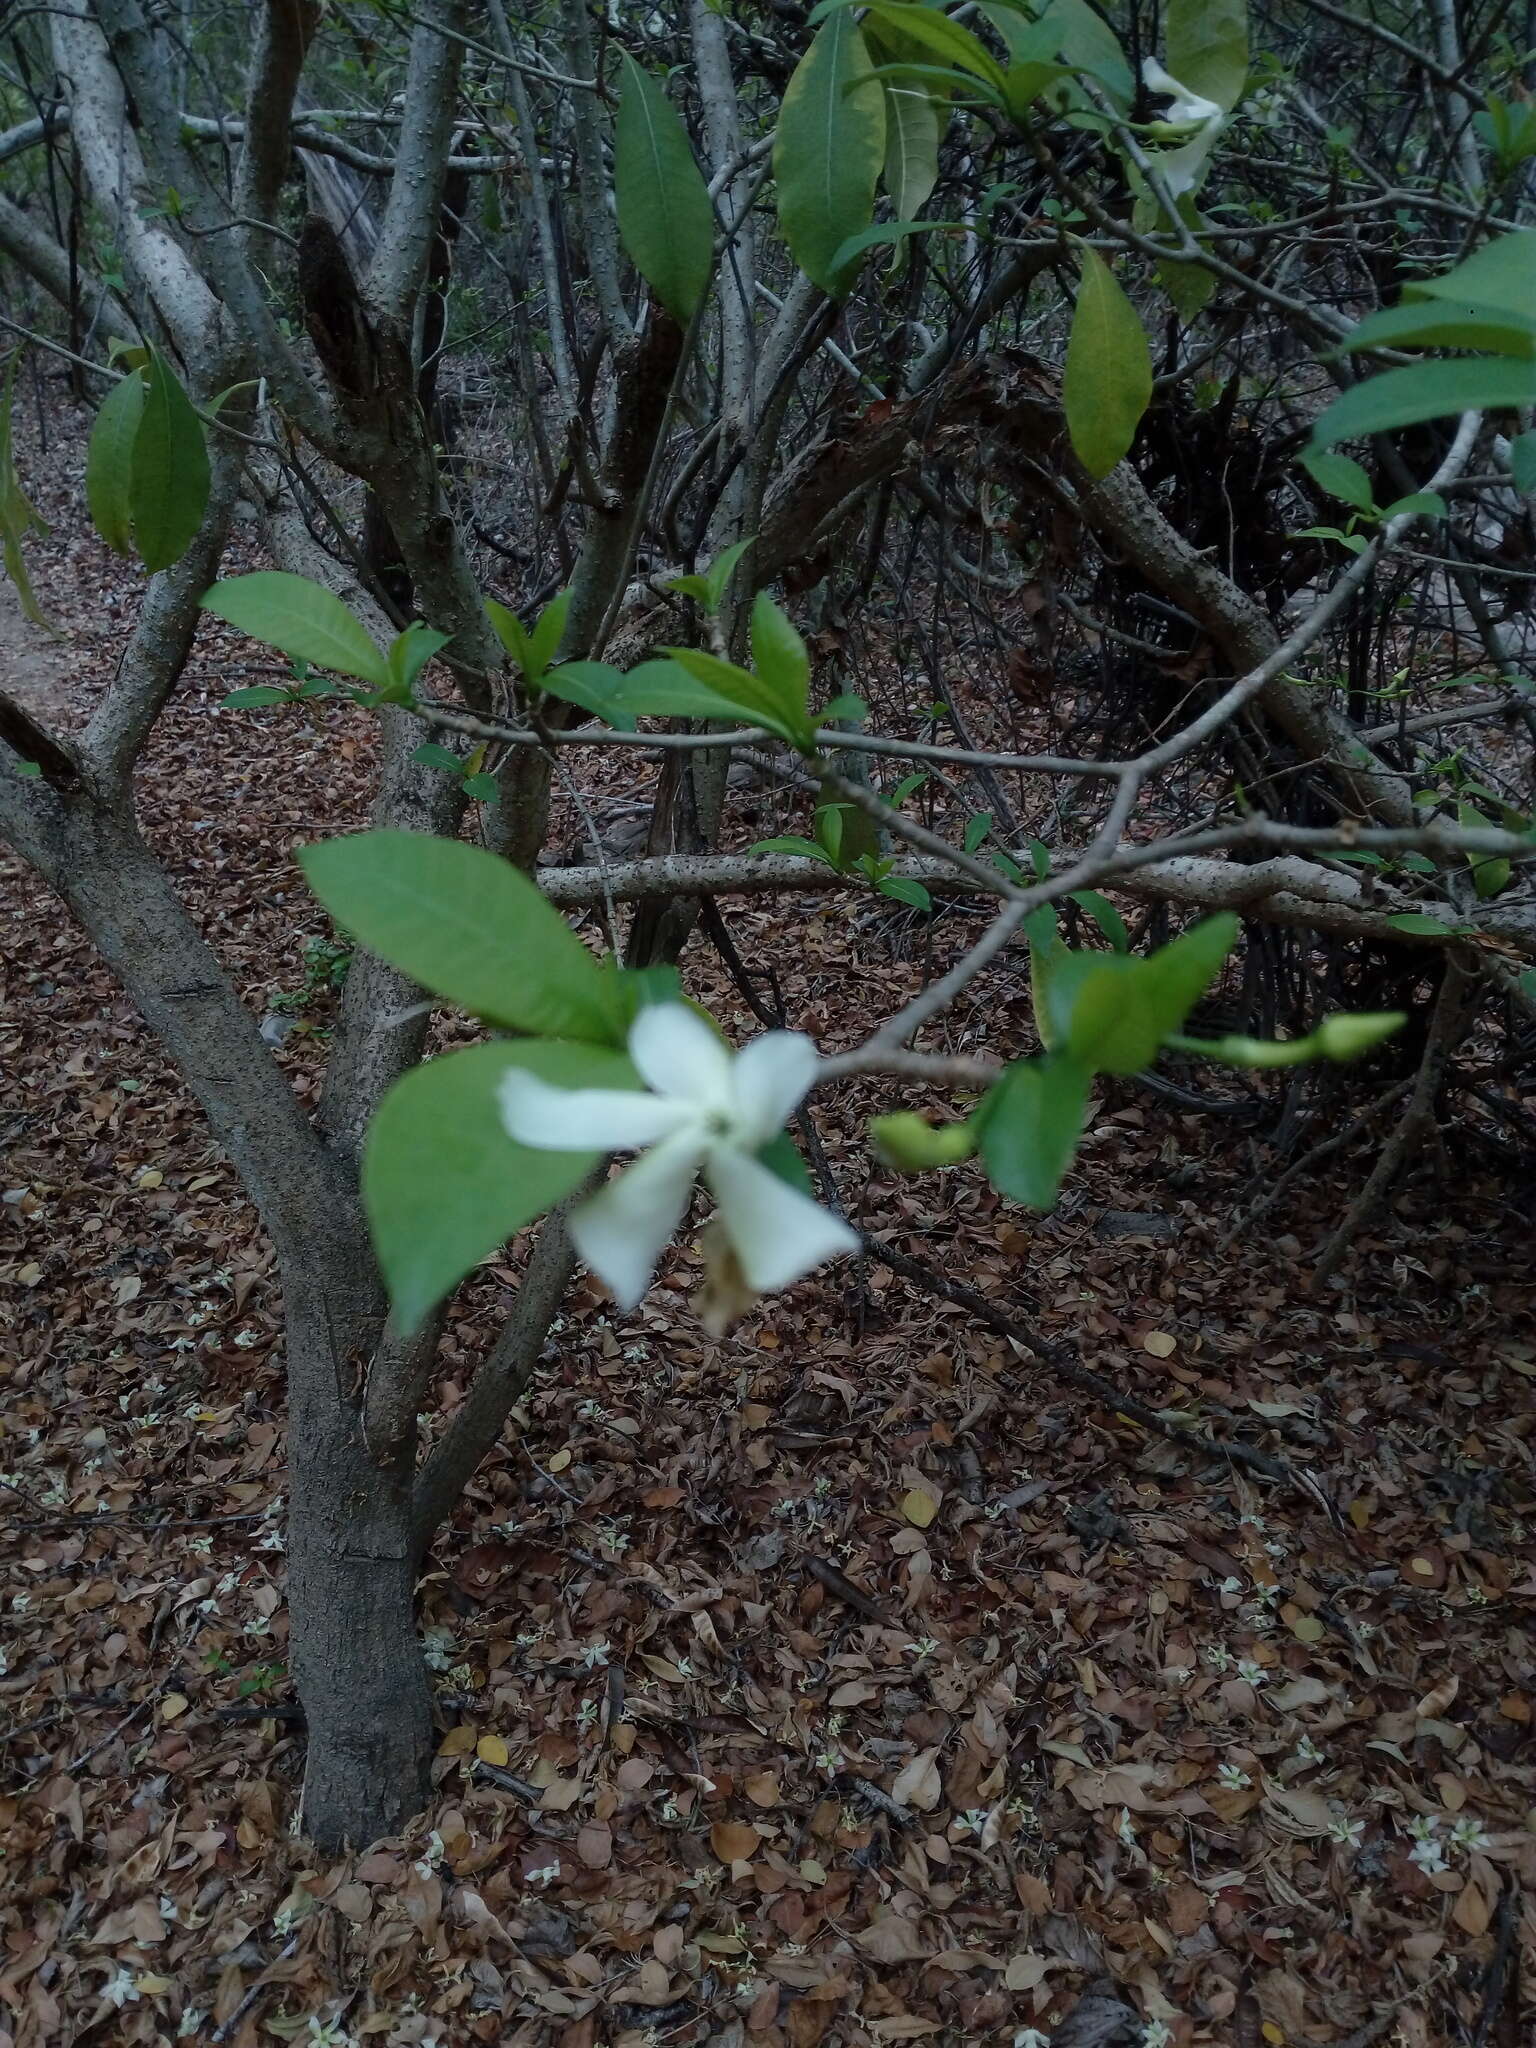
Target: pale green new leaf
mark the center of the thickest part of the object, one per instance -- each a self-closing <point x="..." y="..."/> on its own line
<point x="1107" y="383"/>
<point x="828" y="149"/>
<point x="666" y="221"/>
<point x="301" y="619"/>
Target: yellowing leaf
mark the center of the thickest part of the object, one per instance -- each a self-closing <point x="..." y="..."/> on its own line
<point x="1107" y="383"/>
<point x="1306" y="1628"/>
<point x="919" y="1507"/>
<point x="173" y="1706"/>
<point x="458" y="1741"/>
<point x="492" y="1750"/>
<point x="559" y="1461"/>
<point x="1159" y="1343"/>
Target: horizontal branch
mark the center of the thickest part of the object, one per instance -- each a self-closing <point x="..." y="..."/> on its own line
<point x="1288" y="890"/>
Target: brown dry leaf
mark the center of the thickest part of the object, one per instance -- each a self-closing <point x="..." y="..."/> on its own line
<point x="893" y="1940"/>
<point x="762" y="1788"/>
<point x="918" y="1783"/>
<point x="1473" y="1910"/>
<point x="734" y="1841"/>
<point x="594" y="1845"/>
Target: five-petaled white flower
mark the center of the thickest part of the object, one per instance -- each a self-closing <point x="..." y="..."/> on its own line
<point x="1180" y="166"/>
<point x="709" y="1110"/>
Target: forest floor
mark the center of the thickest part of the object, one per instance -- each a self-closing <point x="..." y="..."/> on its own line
<point x="854" y="1679"/>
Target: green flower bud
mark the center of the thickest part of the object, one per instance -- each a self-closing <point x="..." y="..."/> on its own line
<point x="1346" y="1038"/>
<point x="910" y="1143"/>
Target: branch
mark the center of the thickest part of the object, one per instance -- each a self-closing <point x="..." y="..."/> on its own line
<point x="414" y="209"/>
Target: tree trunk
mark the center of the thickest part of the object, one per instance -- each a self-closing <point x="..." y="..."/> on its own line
<point x="357" y="1662"/>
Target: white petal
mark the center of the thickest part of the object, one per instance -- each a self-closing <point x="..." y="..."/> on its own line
<point x="583" y="1119"/>
<point x="623" y="1230"/>
<point x="770" y="1080"/>
<point x="1187" y="105"/>
<point x="778" y="1234"/>
<point x="678" y="1054"/>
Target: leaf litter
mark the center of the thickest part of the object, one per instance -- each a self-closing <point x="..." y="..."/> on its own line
<point x="846" y="1680"/>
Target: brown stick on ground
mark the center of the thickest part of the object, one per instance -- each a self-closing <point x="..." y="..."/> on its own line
<point x="1447" y="1025"/>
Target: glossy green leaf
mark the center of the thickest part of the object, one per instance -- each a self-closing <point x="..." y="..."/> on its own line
<point x="301" y="619"/>
<point x="544" y="641"/>
<point x="1113" y="1014"/>
<point x="829" y="146"/>
<point x="109" y="463"/>
<point x="905" y="890"/>
<point x="1426" y="391"/>
<point x="1030" y="1122"/>
<point x="410" y="651"/>
<point x="1107" y="384"/>
<point x="750" y="697"/>
<point x="513" y="635"/>
<point x="444" y="1185"/>
<point x="666" y="221"/>
<point x="169" y="478"/>
<point x="254" y="698"/>
<point x="468" y="926"/>
<point x="1436" y="323"/>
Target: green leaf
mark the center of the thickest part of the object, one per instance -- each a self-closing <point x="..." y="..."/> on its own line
<point x="466" y="925"/>
<point x="845" y="710"/>
<point x="885" y="232"/>
<point x="1031" y="1120"/>
<point x="912" y="131"/>
<point x="1489" y="877"/>
<point x="718" y="575"/>
<point x="410" y="651"/>
<point x="169" y="478"/>
<point x="788" y="843"/>
<point x="829" y="146"/>
<point x="257" y="694"/>
<point x="1432" y="323"/>
<point x="444" y="1185"/>
<point x="666" y="220"/>
<point x="1107" y="384"/>
<point x="665" y="689"/>
<point x="1427" y="504"/>
<point x="433" y="756"/>
<point x="595" y="685"/>
<point x="299" y="618"/>
<point x="1113" y="1014"/>
<point x="1340" y="477"/>
<point x="18" y="516"/>
<point x="976" y="829"/>
<point x="904" y="890"/>
<point x="1422" y="924"/>
<point x="1088" y="43"/>
<point x="941" y="33"/>
<point x="781" y="1156"/>
<point x="1502" y="275"/>
<point x="510" y="631"/>
<point x="780" y="657"/>
<point x="1105" y="916"/>
<point x="109" y="463"/>
<point x="1207" y="48"/>
<point x="1426" y="391"/>
<point x="1522" y="461"/>
<point x="749" y="696"/>
<point x="484" y="789"/>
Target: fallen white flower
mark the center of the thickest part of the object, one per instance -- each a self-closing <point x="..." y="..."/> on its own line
<point x="709" y="1110"/>
<point x="1180" y="167"/>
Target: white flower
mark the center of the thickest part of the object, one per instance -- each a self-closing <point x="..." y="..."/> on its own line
<point x="120" y="1990"/>
<point x="1232" y="1777"/>
<point x="1031" y="2037"/>
<point x="1469" y="1833"/>
<point x="1156" y="2034"/>
<point x="1180" y="168"/>
<point x="1342" y="1829"/>
<point x="707" y="1110"/>
<point x="1428" y="1855"/>
<point x="1254" y="1673"/>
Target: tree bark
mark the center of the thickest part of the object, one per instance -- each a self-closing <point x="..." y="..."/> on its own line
<point x="357" y="1662"/>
